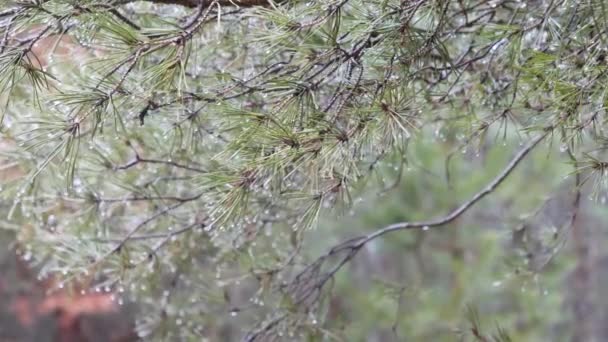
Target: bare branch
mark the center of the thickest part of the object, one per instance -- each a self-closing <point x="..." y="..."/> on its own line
<point x="206" y="3"/>
<point x="467" y="205"/>
<point x="139" y="160"/>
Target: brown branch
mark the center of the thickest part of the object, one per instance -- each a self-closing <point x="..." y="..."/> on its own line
<point x="206" y="3"/>
<point x="467" y="205"/>
<point x="153" y="236"/>
<point x="147" y="199"/>
<point x="139" y="160"/>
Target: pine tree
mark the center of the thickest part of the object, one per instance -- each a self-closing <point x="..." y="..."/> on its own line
<point x="182" y="152"/>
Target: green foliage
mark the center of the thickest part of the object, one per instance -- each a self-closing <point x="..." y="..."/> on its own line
<point x="201" y="159"/>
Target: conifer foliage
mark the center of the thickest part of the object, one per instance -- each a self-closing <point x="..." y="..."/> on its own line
<point x="180" y="152"/>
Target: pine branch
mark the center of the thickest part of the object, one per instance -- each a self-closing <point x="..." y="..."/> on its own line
<point x="260" y="119"/>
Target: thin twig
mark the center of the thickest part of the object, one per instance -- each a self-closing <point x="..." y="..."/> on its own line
<point x="138" y="160"/>
<point x="465" y="206"/>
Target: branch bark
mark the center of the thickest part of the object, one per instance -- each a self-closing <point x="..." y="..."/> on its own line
<point x="468" y="204"/>
<point x="195" y="3"/>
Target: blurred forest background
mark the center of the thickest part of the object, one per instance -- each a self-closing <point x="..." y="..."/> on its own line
<point x="526" y="263"/>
